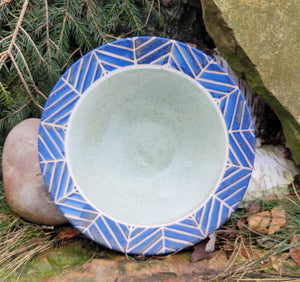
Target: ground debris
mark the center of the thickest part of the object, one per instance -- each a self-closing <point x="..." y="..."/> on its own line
<point x="68" y="233"/>
<point x="260" y="222"/>
<point x="205" y="249"/>
<point x="295" y="251"/>
<point x="278" y="220"/>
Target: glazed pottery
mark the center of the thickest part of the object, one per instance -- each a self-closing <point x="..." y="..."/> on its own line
<point x="146" y="145"/>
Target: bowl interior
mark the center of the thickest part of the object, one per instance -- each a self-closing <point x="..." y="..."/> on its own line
<point x="146" y="145"/>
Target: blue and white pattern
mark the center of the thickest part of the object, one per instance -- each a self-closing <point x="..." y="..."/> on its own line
<point x="90" y="220"/>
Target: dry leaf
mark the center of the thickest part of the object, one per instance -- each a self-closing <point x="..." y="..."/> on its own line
<point x="253" y="208"/>
<point x="68" y="233"/>
<point x="253" y="253"/>
<point x="201" y="252"/>
<point x="242" y="224"/>
<point x="260" y="222"/>
<point x="246" y="253"/>
<point x="278" y="220"/>
<point x="295" y="252"/>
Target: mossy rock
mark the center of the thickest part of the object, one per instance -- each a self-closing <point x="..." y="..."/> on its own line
<point x="55" y="261"/>
<point x="261" y="42"/>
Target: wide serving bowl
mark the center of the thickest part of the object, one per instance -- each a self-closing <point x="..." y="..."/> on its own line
<point x="146" y="145"/>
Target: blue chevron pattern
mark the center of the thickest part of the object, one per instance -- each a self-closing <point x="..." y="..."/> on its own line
<point x="91" y="221"/>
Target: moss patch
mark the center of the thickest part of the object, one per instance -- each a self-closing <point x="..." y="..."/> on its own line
<point x="54" y="261"/>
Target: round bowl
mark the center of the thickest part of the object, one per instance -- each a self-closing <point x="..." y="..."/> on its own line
<point x="146" y="145"/>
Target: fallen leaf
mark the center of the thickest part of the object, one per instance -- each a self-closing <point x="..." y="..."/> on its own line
<point x="295" y="252"/>
<point x="227" y="235"/>
<point x="203" y="250"/>
<point x="260" y="222"/>
<point x="242" y="224"/>
<point x="68" y="233"/>
<point x="278" y="220"/>
<point x="253" y="208"/>
<point x="245" y="252"/>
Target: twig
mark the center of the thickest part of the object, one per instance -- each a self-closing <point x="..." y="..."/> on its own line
<point x="93" y="18"/>
<point x="112" y="8"/>
<point x="292" y="201"/>
<point x="47" y="31"/>
<point x="18" y="110"/>
<point x="133" y="16"/>
<point x="33" y="44"/>
<point x="16" y="31"/>
<point x="40" y="93"/>
<point x="149" y="13"/>
<point x="78" y="49"/>
<point x="62" y="30"/>
<point x="25" y="63"/>
<point x="295" y="190"/>
<point x="177" y="9"/>
<point x="5" y="38"/>
<point x="24" y="82"/>
<point x="3" y="2"/>
<point x="80" y="30"/>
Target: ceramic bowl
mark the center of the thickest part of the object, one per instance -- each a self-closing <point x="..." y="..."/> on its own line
<point x="146" y="145"/>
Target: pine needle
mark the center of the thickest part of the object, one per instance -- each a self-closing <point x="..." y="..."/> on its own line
<point x="20" y="241"/>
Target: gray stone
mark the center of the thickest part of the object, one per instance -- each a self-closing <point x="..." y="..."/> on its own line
<point x="24" y="187"/>
<point x="261" y="42"/>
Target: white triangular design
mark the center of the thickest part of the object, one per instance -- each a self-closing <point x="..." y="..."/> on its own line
<point x="176" y="45"/>
<point x="143" y="240"/>
<point x="112" y="234"/>
<point x="140" y="58"/>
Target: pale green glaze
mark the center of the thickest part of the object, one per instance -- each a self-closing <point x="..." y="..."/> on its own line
<point x="146" y="145"/>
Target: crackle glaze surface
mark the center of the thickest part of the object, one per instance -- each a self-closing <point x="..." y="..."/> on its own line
<point x="78" y="103"/>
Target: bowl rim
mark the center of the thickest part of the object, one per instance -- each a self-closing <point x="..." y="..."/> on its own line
<point x="147" y="52"/>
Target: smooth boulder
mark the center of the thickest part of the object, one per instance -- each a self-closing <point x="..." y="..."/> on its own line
<point x="24" y="187"/>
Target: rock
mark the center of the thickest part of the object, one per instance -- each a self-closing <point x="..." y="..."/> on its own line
<point x="24" y="187"/>
<point x="268" y="129"/>
<point x="261" y="42"/>
<point x="120" y="268"/>
<point x="83" y="261"/>
<point x="272" y="173"/>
